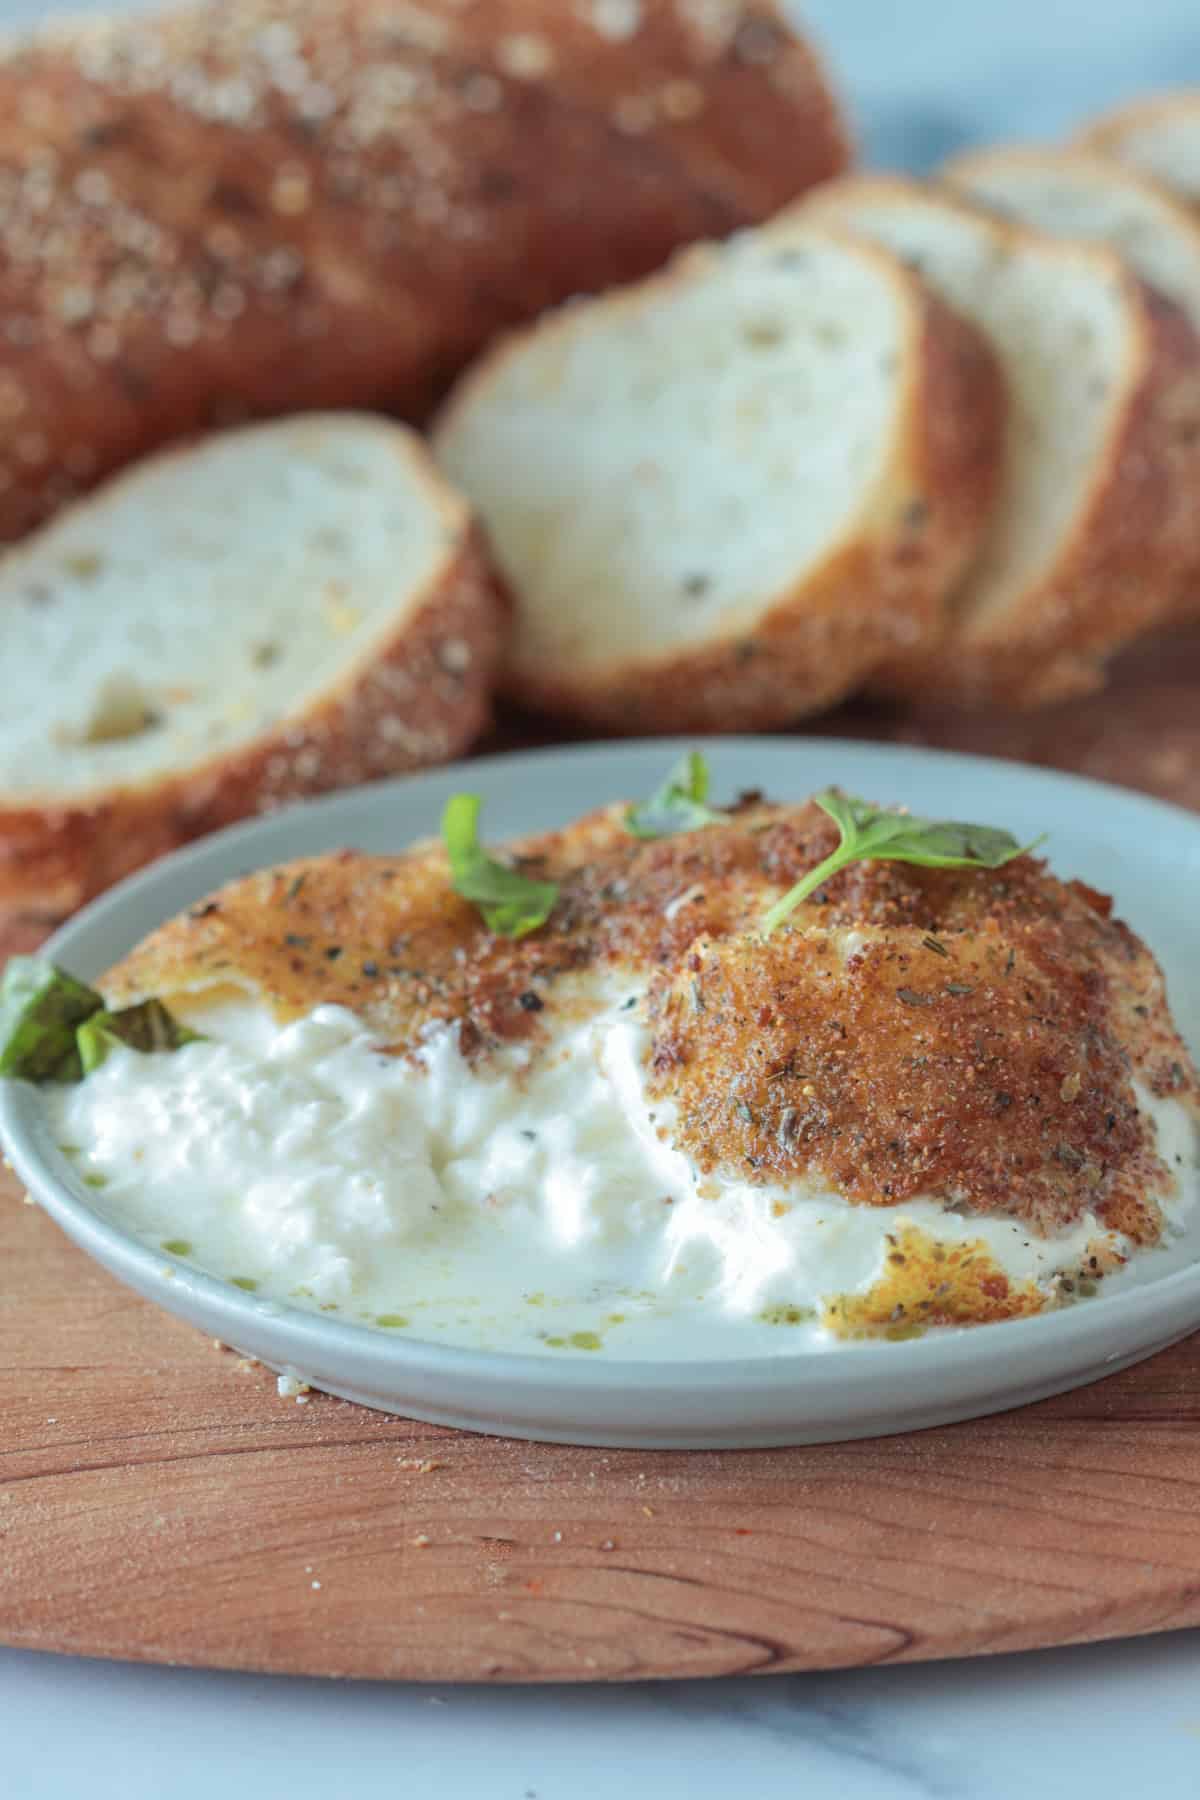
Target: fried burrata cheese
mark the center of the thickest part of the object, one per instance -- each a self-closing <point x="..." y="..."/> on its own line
<point x="967" y="1035"/>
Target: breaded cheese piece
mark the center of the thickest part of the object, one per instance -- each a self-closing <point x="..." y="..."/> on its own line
<point x="978" y="1037"/>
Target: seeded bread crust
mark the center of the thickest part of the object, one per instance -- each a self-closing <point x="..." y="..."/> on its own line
<point x="421" y="696"/>
<point x="267" y="206"/>
<point x="881" y="587"/>
<point x="1115" y="133"/>
<point x="1121" y="568"/>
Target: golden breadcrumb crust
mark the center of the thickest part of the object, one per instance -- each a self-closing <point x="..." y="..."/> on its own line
<point x="971" y="1035"/>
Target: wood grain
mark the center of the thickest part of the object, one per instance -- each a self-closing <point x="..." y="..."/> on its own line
<point x="1142" y="731"/>
<point x="160" y="1502"/>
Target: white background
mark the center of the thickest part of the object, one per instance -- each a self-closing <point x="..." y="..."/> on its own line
<point x="923" y="76"/>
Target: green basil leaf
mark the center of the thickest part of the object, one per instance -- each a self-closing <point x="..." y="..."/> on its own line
<point x="678" y="805"/>
<point x="146" y="1027"/>
<point x="511" y="904"/>
<point x="40" y="1008"/>
<point x="872" y="834"/>
<point x="56" y="1029"/>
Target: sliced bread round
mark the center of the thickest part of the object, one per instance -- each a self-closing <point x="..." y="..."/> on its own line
<point x="1095" y="528"/>
<point x="1158" y="133"/>
<point x="1081" y="194"/>
<point x="270" y="613"/>
<point x="722" y="497"/>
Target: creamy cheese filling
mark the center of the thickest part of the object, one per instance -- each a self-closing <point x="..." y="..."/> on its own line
<point x="533" y="1202"/>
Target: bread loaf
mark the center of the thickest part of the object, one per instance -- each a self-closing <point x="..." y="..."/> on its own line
<point x="263" y="206"/>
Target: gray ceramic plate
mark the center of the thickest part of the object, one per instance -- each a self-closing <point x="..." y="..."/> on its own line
<point x="1145" y="853"/>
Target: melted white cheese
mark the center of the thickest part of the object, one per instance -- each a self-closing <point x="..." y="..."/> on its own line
<point x="533" y="1203"/>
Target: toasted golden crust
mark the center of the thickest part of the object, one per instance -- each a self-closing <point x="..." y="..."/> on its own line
<point x="881" y="588"/>
<point x="266" y="206"/>
<point x="966" y="1034"/>
<point x="895" y="1071"/>
<point x="420" y="696"/>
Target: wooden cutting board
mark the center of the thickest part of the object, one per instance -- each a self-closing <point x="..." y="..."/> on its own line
<point x="160" y="1502"/>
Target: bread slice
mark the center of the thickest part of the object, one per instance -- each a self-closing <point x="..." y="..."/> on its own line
<point x="275" y="611"/>
<point x="1081" y="194"/>
<point x="1159" y="134"/>
<point x="1095" y="528"/>
<point x="242" y="208"/>
<point x="722" y="497"/>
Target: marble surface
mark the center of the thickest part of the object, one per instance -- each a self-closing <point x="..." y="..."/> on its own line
<point x="1107" y="1722"/>
<point x="924" y="76"/>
